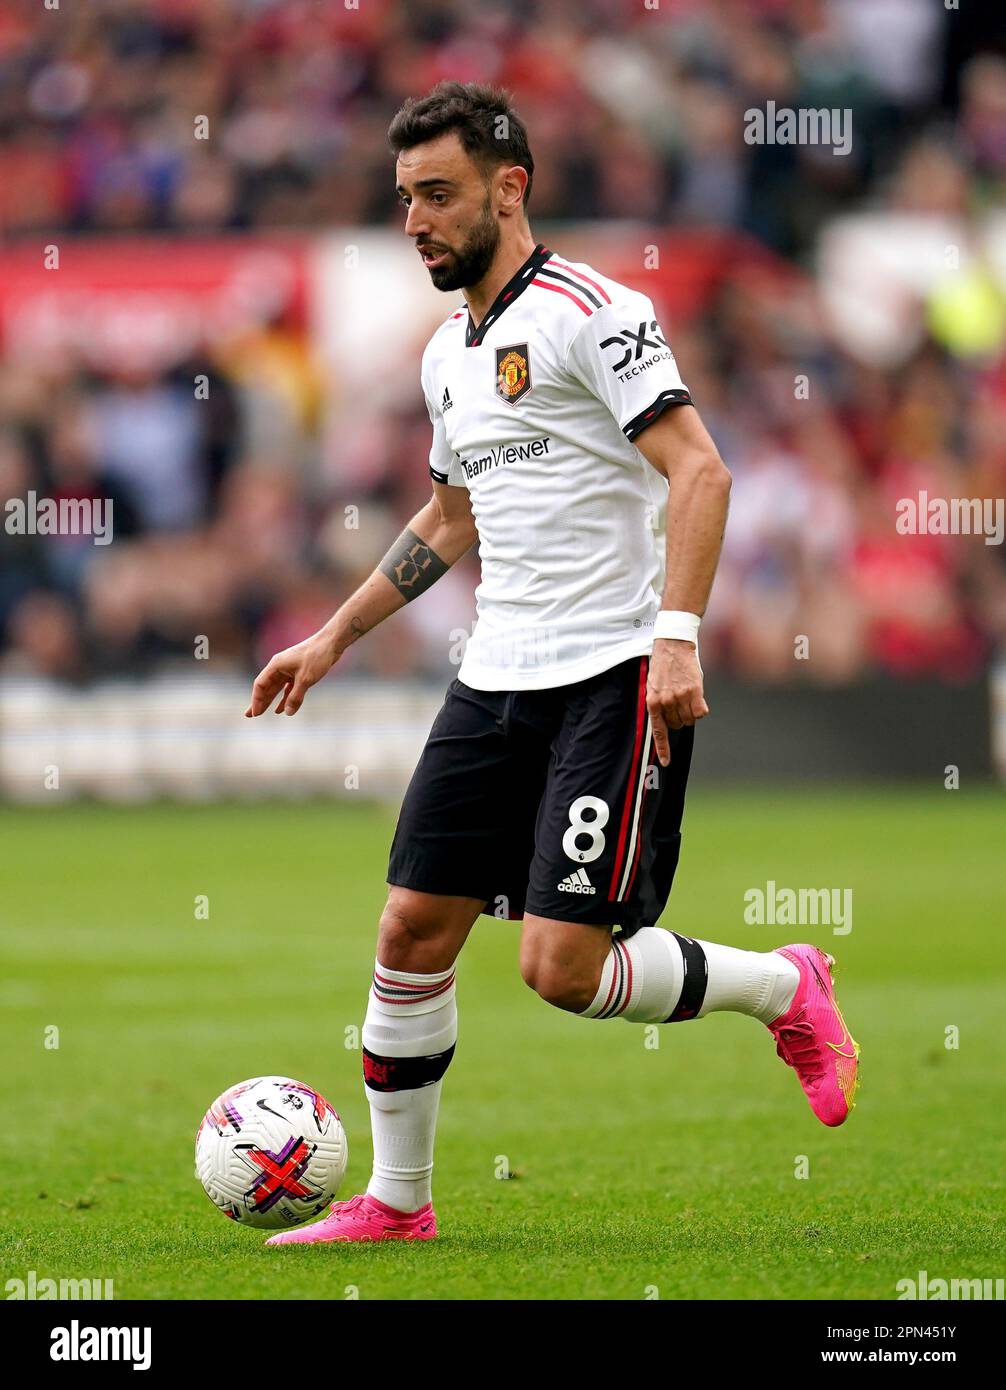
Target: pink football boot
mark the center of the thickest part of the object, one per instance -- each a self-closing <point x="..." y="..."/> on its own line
<point x="363" y="1218"/>
<point x="811" y="1037"/>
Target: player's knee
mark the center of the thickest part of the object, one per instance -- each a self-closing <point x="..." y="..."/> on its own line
<point x="417" y="933"/>
<point x="401" y="931"/>
<point x="557" y="986"/>
<point x="562" y="962"/>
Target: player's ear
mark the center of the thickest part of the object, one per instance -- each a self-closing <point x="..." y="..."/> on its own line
<point x="510" y="190"/>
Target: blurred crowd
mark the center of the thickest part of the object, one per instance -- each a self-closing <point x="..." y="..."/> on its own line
<point x="241" y="520"/>
<point x="101" y="104"/>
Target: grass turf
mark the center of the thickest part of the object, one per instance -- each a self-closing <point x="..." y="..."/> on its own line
<point x="637" y="1172"/>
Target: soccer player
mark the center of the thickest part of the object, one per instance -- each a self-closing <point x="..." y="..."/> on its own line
<point x="552" y="784"/>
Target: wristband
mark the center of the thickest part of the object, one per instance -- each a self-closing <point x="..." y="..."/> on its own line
<point x="681" y="627"/>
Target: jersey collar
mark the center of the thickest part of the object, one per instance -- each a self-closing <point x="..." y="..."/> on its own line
<point x="513" y="287"/>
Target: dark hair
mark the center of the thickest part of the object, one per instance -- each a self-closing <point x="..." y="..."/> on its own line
<point x="478" y="113"/>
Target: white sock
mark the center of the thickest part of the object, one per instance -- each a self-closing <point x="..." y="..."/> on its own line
<point x="408" y="1041"/>
<point x="759" y="983"/>
<point x="657" y="976"/>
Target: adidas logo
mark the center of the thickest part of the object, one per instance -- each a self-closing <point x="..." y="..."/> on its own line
<point x="576" y="883"/>
<point x="446" y="404"/>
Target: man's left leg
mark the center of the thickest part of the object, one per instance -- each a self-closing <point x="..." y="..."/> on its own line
<point x="607" y="840"/>
<point x="658" y="976"/>
<point x="654" y="976"/>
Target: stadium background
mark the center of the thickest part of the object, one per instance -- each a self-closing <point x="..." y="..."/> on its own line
<point x="229" y="350"/>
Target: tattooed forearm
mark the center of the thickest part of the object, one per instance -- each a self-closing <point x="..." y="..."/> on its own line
<point x="411" y="565"/>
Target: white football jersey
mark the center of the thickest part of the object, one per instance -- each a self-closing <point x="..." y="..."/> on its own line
<point x="535" y="411"/>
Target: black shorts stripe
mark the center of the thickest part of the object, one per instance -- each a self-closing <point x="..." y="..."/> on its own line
<point x="623" y="871"/>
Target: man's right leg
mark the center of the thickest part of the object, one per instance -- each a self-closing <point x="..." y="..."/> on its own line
<point x="409" y="1035"/>
<point x="464" y="838"/>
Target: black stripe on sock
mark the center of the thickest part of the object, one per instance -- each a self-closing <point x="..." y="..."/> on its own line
<point x="404" y="1073"/>
<point x="693" y="989"/>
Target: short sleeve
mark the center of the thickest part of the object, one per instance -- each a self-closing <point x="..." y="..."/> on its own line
<point x="622" y="357"/>
<point x="445" y="466"/>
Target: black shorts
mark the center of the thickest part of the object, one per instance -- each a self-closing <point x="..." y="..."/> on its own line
<point x="551" y="802"/>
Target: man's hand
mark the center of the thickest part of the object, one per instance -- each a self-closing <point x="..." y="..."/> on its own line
<point x="294" y="672"/>
<point x="674" y="691"/>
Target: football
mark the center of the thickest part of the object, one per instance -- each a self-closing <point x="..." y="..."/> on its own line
<point x="271" y="1152"/>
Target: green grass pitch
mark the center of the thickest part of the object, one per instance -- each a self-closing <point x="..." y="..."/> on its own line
<point x="636" y="1172"/>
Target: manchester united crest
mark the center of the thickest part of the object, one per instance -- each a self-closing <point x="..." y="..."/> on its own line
<point x="513" y="372"/>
